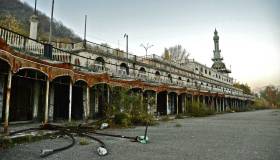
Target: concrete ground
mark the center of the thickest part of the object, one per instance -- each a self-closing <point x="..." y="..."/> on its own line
<point x="243" y="136"/>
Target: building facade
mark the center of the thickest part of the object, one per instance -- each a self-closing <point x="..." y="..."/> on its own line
<point x="49" y="82"/>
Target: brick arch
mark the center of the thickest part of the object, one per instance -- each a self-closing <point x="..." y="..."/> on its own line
<point x="80" y="80"/>
<point x="5" y="58"/>
<point x="32" y="68"/>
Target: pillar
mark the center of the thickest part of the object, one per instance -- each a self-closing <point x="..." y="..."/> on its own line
<point x="7" y="106"/>
<point x="203" y="100"/>
<point x="167" y="104"/>
<point x="96" y="103"/>
<point x="177" y="104"/>
<point x="47" y="101"/>
<point x="155" y="107"/>
<point x="217" y="104"/>
<point x="223" y="104"/>
<point x="184" y="103"/>
<point x="108" y="94"/>
<point x="51" y="103"/>
<point x="36" y="91"/>
<point x="70" y="101"/>
<point x="87" y="102"/>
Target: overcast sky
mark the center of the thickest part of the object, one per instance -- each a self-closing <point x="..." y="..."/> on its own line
<point x="249" y="30"/>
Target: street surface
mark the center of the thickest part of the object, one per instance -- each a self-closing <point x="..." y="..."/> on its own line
<point x="234" y="136"/>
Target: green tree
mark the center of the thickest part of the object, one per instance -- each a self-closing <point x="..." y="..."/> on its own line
<point x="10" y="22"/>
<point x="166" y="55"/>
<point x="246" y="89"/>
<point x="272" y="95"/>
<point x="175" y="53"/>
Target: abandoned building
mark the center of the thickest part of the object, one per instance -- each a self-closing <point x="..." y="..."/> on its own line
<point x="47" y="82"/>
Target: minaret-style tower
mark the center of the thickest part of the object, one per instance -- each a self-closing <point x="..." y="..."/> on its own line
<point x="217" y="51"/>
<point x="217" y="59"/>
<point x="33" y="33"/>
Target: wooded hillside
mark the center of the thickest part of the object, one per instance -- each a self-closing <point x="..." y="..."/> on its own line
<point x="15" y="15"/>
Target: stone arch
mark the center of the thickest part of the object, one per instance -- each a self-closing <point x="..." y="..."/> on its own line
<point x="99" y="63"/>
<point x="157" y="73"/>
<point x="81" y="80"/>
<point x="28" y="94"/>
<point x="6" y="61"/>
<point x="142" y="69"/>
<point x="32" y="69"/>
<point x="100" y="60"/>
<point x="124" y="66"/>
<point x="169" y="76"/>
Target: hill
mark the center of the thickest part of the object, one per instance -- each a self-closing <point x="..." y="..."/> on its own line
<point x="15" y="15"/>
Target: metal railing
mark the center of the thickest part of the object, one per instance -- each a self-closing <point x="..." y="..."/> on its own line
<point x="46" y="51"/>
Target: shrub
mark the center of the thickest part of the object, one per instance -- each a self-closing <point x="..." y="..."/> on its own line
<point x="198" y="109"/>
<point x="260" y="103"/>
<point x="122" y="119"/>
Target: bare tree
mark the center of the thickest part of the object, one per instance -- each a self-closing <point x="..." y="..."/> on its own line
<point x="176" y="53"/>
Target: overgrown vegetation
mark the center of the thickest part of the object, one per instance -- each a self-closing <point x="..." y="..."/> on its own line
<point x="245" y="88"/>
<point x="269" y="97"/>
<point x="127" y="108"/>
<point x="198" y="109"/>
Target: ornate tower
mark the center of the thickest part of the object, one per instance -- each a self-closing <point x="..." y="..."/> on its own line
<point x="217" y="59"/>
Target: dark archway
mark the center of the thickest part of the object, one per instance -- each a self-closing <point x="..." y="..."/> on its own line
<point x="169" y="78"/>
<point x="161" y="103"/>
<point x="61" y="98"/>
<point x="142" y="70"/>
<point x="149" y="101"/>
<point x="27" y="95"/>
<point x="100" y="64"/>
<point x="181" y="103"/>
<point x="172" y="102"/>
<point x="157" y="76"/>
<point x="125" y="68"/>
<point x="78" y="97"/>
<point x="100" y="99"/>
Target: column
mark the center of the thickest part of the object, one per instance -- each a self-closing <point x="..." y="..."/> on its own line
<point x="203" y="100"/>
<point x="184" y="103"/>
<point x="177" y="104"/>
<point x="88" y="102"/>
<point x="223" y="104"/>
<point x="51" y="103"/>
<point x="96" y="103"/>
<point x="85" y="102"/>
<point x="211" y="102"/>
<point x="155" y="106"/>
<point x="108" y="94"/>
<point x="70" y="101"/>
<point x="47" y="101"/>
<point x="217" y="105"/>
<point x="36" y="91"/>
<point x="7" y="106"/>
<point x="167" y="104"/>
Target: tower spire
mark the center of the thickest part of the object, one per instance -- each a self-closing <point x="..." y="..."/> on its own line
<point x="217" y="51"/>
<point x="217" y="59"/>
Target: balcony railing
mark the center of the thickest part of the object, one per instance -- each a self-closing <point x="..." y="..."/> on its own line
<point x="46" y="51"/>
